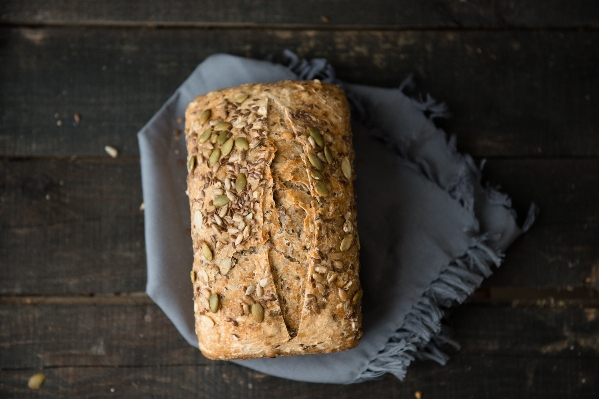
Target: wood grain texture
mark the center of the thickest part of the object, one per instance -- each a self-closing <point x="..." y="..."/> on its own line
<point x="519" y="77"/>
<point x="379" y="13"/>
<point x="70" y="227"/>
<point x="466" y="377"/>
<point x="42" y="336"/>
<point x="513" y="93"/>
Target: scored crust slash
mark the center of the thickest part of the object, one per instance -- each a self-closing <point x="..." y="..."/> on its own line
<point x="275" y="241"/>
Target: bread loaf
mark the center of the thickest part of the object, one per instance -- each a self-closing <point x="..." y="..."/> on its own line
<point x="273" y="213"/>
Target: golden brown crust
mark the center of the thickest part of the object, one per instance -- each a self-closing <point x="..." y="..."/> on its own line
<point x="275" y="259"/>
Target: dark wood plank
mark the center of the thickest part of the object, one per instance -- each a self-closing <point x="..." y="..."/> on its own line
<point x="559" y="251"/>
<point x="88" y="236"/>
<point x="380" y="13"/>
<point x="42" y="336"/>
<point x="513" y="93"/>
<point x="71" y="227"/>
<point x="465" y="378"/>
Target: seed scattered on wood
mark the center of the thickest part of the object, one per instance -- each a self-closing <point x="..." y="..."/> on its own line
<point x="315" y="161"/>
<point x="346" y="168"/>
<point x="258" y="312"/>
<point x="205" y="136"/>
<point x="241" y="143"/>
<point x="113" y="152"/>
<point x="346" y="242"/>
<point x="36" y="381"/>
<point x="204" y="116"/>
<point x="206" y="251"/>
<point x="77" y="118"/>
<point x="214" y="303"/>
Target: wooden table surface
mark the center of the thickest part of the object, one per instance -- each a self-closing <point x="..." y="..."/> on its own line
<point x="521" y="79"/>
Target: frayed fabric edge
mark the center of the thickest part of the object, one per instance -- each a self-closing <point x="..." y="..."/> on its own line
<point x="422" y="335"/>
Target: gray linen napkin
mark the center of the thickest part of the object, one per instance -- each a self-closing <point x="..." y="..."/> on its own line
<point x="429" y="231"/>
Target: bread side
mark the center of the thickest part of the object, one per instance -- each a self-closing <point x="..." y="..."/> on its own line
<point x="273" y="211"/>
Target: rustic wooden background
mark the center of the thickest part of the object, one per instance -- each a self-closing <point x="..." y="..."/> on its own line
<point x="520" y="77"/>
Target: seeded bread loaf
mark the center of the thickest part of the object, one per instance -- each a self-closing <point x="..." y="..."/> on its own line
<point x="271" y="190"/>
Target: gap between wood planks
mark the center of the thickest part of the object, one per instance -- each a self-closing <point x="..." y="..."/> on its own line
<point x="107" y="159"/>
<point x="493" y="296"/>
<point x="288" y="27"/>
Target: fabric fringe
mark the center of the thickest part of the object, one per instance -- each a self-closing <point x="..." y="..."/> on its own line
<point x="422" y="334"/>
<point x="317" y="68"/>
<point x="533" y="212"/>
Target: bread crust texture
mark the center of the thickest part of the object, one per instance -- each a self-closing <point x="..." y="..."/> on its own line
<point x="273" y="221"/>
